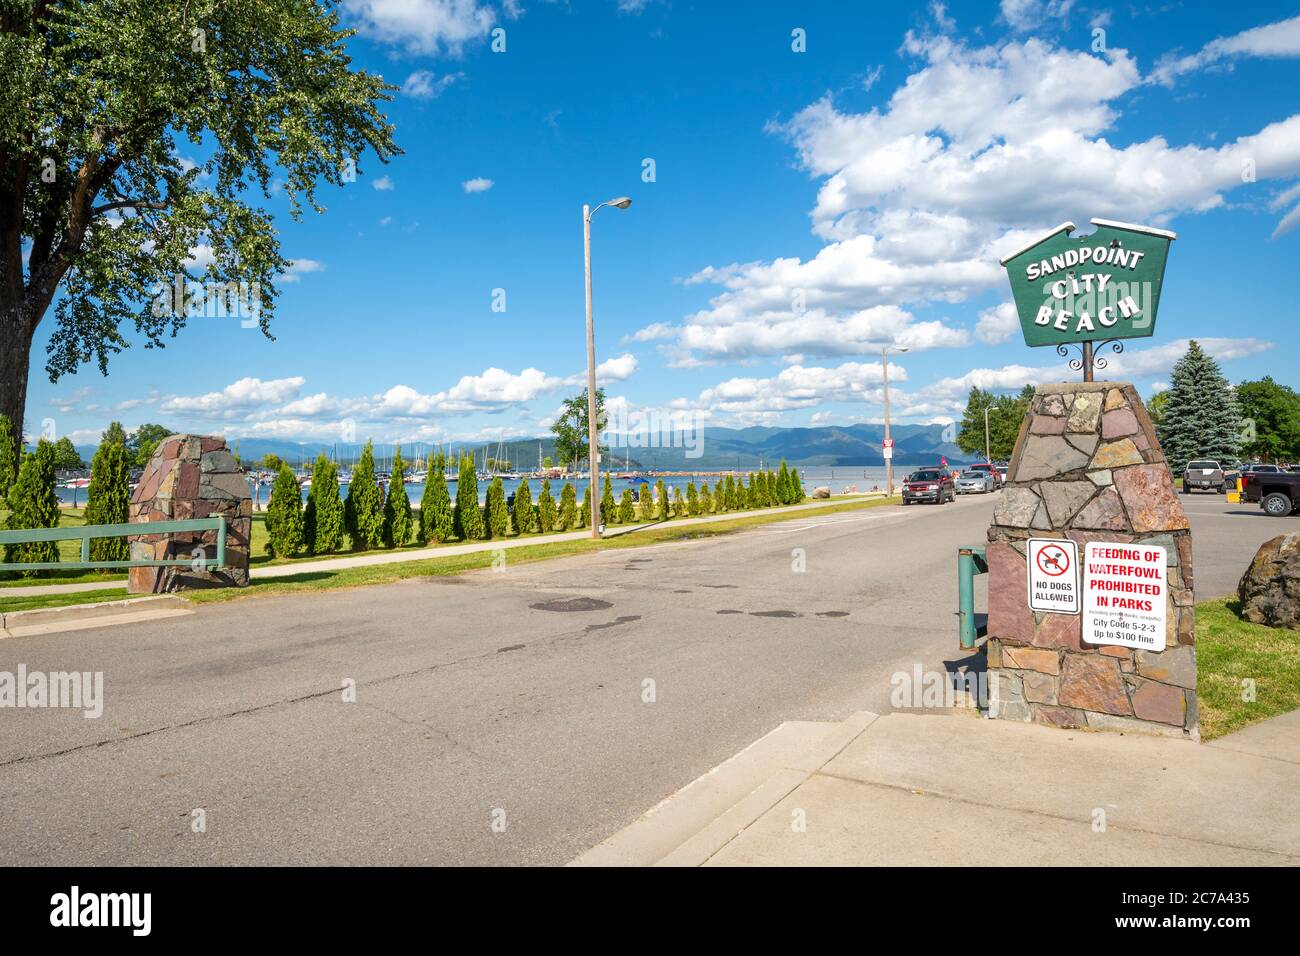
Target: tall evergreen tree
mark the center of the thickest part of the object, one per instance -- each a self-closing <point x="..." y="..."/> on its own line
<point x="568" y="508"/>
<point x="364" y="507"/>
<point x="399" y="524"/>
<point x="584" y="513"/>
<point x="436" y="520"/>
<point x="796" y="487"/>
<point x="284" y="515"/>
<point x="9" y="447"/>
<point x="523" y="513"/>
<point x="783" y="484"/>
<point x="706" y="500"/>
<point x="610" y="513"/>
<point x="323" y="523"/>
<point x="496" y="512"/>
<point x="692" y="500"/>
<point x="1201" y="418"/>
<point x="679" y="506"/>
<point x="109" y="495"/>
<point x="627" y="508"/>
<point x="661" y="500"/>
<point x="469" y="517"/>
<point x="645" y="503"/>
<point x="546" y="508"/>
<point x="33" y="504"/>
<point x="752" y="499"/>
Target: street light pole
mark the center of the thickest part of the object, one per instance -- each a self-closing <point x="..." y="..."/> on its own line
<point x="987" y="455"/>
<point x="593" y="449"/>
<point x="889" y="462"/>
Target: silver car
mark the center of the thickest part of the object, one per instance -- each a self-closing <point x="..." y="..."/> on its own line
<point x="974" y="482"/>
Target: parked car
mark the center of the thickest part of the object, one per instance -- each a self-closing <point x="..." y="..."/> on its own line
<point x="1002" y="467"/>
<point x="1277" y="492"/>
<point x="1203" y="474"/>
<point x="991" y="470"/>
<point x="974" y="481"/>
<point x="1230" y="478"/>
<point x="929" y="484"/>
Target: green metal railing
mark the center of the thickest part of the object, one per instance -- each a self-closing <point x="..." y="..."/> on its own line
<point x="970" y="562"/>
<point x="87" y="533"/>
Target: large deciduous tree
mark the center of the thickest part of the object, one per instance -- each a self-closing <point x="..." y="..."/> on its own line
<point x="1272" y="415"/>
<point x="134" y="137"/>
<point x="570" y="429"/>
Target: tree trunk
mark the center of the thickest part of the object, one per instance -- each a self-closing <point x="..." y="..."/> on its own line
<point x="15" y="357"/>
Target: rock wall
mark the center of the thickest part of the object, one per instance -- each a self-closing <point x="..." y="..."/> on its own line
<point x="1088" y="467"/>
<point x="191" y="476"/>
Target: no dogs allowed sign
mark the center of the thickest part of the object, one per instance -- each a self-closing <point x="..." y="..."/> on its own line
<point x="1053" y="575"/>
<point x="1125" y="588"/>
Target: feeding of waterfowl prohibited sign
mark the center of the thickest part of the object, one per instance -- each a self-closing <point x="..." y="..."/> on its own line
<point x="1053" y="575"/>
<point x="1124" y="594"/>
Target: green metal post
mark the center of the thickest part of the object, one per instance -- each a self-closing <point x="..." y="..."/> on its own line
<point x="966" y="598"/>
<point x="221" y="541"/>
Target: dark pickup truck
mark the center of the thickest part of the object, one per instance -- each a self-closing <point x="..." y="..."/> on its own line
<point x="1278" y="492"/>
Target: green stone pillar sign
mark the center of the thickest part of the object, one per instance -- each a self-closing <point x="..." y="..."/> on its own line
<point x="1104" y="287"/>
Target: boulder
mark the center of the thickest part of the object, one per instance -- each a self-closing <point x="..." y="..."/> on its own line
<point x="1270" y="588"/>
<point x="821" y="491"/>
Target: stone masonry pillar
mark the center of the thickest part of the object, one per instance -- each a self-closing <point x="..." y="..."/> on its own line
<point x="191" y="476"/>
<point x="1087" y="467"/>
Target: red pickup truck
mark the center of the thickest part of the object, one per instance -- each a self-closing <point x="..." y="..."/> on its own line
<point x="1278" y="492"/>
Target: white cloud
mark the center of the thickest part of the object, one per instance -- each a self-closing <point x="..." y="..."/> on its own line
<point x="1027" y="15"/>
<point x="239" y="397"/>
<point x="997" y="324"/>
<point x="422" y="26"/>
<point x="477" y="185"/>
<point x="426" y="85"/>
<point x="1280" y="39"/>
<point x="383" y="184"/>
<point x="618" y="369"/>
<point x="976" y="152"/>
<point x="300" y="267"/>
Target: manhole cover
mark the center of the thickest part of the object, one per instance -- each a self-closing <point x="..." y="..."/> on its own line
<point x="572" y="604"/>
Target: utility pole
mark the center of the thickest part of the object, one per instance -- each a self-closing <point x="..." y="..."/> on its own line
<point x="987" y="456"/>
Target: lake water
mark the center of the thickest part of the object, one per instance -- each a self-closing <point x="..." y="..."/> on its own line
<point x="838" y="480"/>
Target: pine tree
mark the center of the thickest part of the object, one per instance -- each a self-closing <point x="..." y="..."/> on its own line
<point x="498" y="515"/>
<point x="1201" y="418"/>
<point x="523" y="513"/>
<point x="399" y="524"/>
<point x="661" y="500"/>
<point x="646" y="504"/>
<point x="568" y="507"/>
<point x="706" y="500"/>
<point x="33" y="504"/>
<point x="751" y="492"/>
<point x="679" y="506"/>
<point x="796" y="487"/>
<point x="783" y="484"/>
<point x="609" y="512"/>
<point x="109" y="496"/>
<point x="584" y="514"/>
<point x="284" y="515"/>
<point x="9" y="448"/>
<point x="364" y="508"/>
<point x="626" y="508"/>
<point x="692" y="500"/>
<point x="729" y="492"/>
<point x="469" y="517"/>
<point x="323" y="523"/>
<point x="546" y="508"/>
<point x="436" y="521"/>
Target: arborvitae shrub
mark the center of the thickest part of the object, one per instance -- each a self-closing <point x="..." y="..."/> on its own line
<point x="523" y="512"/>
<point x="322" y="522"/>
<point x="284" y="515"/>
<point x="398" y="522"/>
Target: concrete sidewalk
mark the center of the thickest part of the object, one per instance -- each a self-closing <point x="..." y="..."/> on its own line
<point x="447" y="551"/>
<point x="953" y="789"/>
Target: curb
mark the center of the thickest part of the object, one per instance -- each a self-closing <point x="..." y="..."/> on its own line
<point x="76" y="617"/>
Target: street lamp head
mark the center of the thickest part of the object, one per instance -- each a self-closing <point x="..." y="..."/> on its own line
<point x="900" y="348"/>
<point x="621" y="203"/>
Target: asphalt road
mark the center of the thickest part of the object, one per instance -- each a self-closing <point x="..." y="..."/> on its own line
<point x="481" y="700"/>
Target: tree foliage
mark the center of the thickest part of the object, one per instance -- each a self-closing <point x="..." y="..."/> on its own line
<point x="469" y="525"/>
<point x="323" y="522"/>
<point x="1006" y="412"/>
<point x="284" y="533"/>
<point x="108" y="499"/>
<point x="609" y="511"/>
<point x="364" y="507"/>
<point x="570" y="428"/>
<point x="496" y="513"/>
<point x="626" y="507"/>
<point x="399" y="525"/>
<point x="10" y="444"/>
<point x="546" y="508"/>
<point x="101" y="205"/>
<point x="144" y="441"/>
<point x="34" y="504"/>
<point x="1201" y="419"/>
<point x="524" y="519"/>
<point x="568" y="508"/>
<point x="1272" y="420"/>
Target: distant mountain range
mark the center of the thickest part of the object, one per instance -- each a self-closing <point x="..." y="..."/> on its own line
<point x="719" y="448"/>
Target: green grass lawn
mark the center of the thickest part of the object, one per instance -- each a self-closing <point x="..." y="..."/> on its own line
<point x="1229" y="651"/>
<point x="34" y="601"/>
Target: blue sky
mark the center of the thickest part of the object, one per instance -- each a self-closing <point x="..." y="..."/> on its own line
<point x="877" y="176"/>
